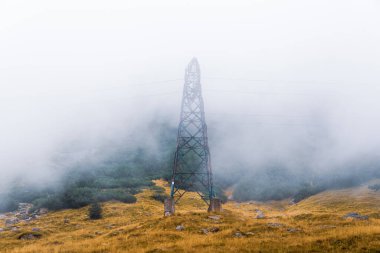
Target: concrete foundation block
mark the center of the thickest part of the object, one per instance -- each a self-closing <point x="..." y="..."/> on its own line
<point x="215" y="205"/>
<point x="169" y="207"/>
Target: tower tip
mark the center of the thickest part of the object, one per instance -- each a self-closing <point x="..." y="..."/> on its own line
<point x="194" y="60"/>
<point x="193" y="65"/>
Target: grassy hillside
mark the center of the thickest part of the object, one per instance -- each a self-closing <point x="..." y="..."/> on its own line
<point x="314" y="225"/>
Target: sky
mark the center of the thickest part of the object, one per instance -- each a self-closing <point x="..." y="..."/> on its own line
<point x="283" y="80"/>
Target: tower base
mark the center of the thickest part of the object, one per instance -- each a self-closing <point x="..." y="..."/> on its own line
<point x="215" y="205"/>
<point x="169" y="208"/>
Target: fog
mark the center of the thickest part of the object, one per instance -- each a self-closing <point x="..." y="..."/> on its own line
<point x="289" y="82"/>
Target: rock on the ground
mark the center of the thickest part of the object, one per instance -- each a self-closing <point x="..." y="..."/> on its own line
<point x="293" y="230"/>
<point x="356" y="216"/>
<point x="204" y="231"/>
<point x="214" y="217"/>
<point x="260" y="214"/>
<point x="29" y="236"/>
<point x="23" y="213"/>
<point x="238" y="235"/>
<point x="180" y="228"/>
<point x="213" y="229"/>
<point x="275" y="225"/>
<point x="167" y="214"/>
<point x="23" y="208"/>
<point x="11" y="221"/>
<point x="22" y="216"/>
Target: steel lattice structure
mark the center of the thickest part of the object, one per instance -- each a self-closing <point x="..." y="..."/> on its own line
<point x="192" y="164"/>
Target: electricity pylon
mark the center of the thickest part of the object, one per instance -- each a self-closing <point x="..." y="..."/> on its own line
<point x="192" y="164"/>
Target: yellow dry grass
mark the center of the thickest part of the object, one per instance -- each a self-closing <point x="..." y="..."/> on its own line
<point x="313" y="225"/>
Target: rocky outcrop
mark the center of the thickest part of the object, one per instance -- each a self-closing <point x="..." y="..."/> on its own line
<point x="260" y="214"/>
<point x="11" y="221"/>
<point x="30" y="236"/>
<point x="209" y="230"/>
<point x="180" y="228"/>
<point x="23" y="213"/>
<point x="356" y="216"/>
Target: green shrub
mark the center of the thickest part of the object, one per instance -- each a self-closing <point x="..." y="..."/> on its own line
<point x="107" y="182"/>
<point x="128" y="198"/>
<point x="158" y="193"/>
<point x="52" y="202"/>
<point x="133" y="191"/>
<point x="157" y="189"/>
<point x="135" y="182"/>
<point x="79" y="197"/>
<point x="115" y="194"/>
<point x="159" y="196"/>
<point x="95" y="211"/>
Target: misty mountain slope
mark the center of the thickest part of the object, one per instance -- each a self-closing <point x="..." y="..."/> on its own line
<point x="117" y="174"/>
<point x="345" y="200"/>
<point x="118" y="170"/>
<point x="310" y="225"/>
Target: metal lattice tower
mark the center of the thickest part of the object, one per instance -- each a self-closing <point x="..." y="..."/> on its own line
<point x="192" y="164"/>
